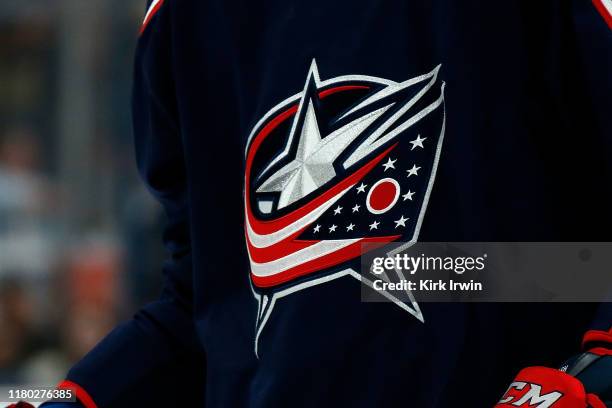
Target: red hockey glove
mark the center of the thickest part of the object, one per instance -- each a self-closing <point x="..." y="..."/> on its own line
<point x="546" y="387"/>
<point x="584" y="381"/>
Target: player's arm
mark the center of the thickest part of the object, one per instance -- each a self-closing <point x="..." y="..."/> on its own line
<point x="154" y="358"/>
<point x="586" y="379"/>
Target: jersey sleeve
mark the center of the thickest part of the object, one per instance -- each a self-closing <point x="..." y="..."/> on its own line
<point x="155" y="358"/>
<point x="592" y="25"/>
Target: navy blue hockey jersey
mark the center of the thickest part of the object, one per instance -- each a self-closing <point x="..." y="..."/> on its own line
<point x="280" y="136"/>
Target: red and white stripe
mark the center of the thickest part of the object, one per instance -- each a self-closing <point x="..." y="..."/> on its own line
<point x="605" y="9"/>
<point x="153" y="9"/>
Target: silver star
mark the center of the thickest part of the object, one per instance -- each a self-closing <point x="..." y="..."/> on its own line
<point x="312" y="165"/>
<point x="317" y="228"/>
<point x="361" y="188"/>
<point x="418" y="142"/>
<point x="401" y="222"/>
<point x="350" y="227"/>
<point x="408" y="195"/>
<point x="374" y="225"/>
<point x="413" y="171"/>
<point x="308" y="171"/>
<point x="356" y="208"/>
<point x="332" y="228"/>
<point x="338" y="210"/>
<point x="389" y="164"/>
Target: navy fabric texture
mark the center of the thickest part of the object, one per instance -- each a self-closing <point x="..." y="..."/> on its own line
<point x="526" y="157"/>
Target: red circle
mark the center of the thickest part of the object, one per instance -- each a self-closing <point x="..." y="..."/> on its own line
<point x="383" y="195"/>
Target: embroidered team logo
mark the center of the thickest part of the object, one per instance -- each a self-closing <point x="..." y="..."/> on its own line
<point x="347" y="161"/>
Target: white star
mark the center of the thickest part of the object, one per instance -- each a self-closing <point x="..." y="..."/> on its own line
<point x="401" y="222"/>
<point x="350" y="227"/>
<point x="374" y="225"/>
<point x="308" y="171"/>
<point x="418" y="142"/>
<point x="413" y="171"/>
<point x="338" y="210"/>
<point x="389" y="164"/>
<point x="361" y="188"/>
<point x="314" y="153"/>
<point x="408" y="195"/>
<point x="356" y="208"/>
<point x="317" y="228"/>
<point x="332" y="228"/>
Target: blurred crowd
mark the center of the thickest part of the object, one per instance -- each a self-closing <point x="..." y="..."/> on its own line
<point x="79" y="237"/>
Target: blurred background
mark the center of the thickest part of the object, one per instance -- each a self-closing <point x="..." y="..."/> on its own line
<point x="79" y="237"/>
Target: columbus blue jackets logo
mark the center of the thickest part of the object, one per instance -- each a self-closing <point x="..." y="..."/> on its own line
<point x="347" y="161"/>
